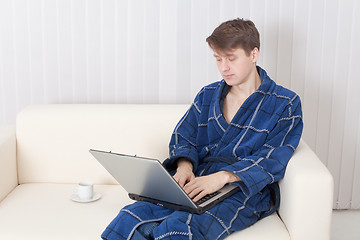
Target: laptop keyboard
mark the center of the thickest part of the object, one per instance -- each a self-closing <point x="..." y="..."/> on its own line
<point x="207" y="197"/>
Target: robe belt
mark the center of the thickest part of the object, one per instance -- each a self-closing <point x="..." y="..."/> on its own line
<point x="211" y="160"/>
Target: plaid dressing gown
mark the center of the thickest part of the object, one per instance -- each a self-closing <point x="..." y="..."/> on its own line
<point x="256" y="146"/>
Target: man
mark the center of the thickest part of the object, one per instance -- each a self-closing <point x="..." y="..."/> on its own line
<point x="241" y="130"/>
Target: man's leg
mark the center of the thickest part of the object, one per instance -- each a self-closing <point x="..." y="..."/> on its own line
<point x="145" y="231"/>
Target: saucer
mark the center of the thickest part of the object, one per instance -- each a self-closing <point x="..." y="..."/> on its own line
<point x="76" y="198"/>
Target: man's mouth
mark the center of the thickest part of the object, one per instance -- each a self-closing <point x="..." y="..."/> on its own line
<point x="228" y="75"/>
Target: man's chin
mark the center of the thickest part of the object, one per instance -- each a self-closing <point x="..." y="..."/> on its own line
<point x="229" y="81"/>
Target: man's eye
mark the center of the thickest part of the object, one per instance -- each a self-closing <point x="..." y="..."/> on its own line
<point x="232" y="59"/>
<point x="218" y="59"/>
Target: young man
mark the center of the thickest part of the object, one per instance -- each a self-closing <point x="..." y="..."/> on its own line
<point x="241" y="130"/>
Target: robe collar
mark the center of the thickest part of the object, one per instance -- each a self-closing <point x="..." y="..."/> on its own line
<point x="266" y="84"/>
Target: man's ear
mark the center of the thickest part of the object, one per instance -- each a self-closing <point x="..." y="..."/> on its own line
<point x="254" y="54"/>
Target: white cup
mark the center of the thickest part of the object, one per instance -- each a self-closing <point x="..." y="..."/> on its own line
<point x="85" y="190"/>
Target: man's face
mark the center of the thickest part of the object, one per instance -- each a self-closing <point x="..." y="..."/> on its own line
<point x="235" y="66"/>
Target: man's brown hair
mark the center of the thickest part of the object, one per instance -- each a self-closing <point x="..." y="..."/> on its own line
<point x="234" y="34"/>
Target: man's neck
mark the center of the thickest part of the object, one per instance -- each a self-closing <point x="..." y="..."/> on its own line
<point x="247" y="88"/>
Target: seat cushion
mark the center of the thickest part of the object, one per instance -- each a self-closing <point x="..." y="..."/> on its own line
<point x="45" y="211"/>
<point x="268" y="228"/>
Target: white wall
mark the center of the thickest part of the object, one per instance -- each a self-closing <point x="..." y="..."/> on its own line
<point x="154" y="51"/>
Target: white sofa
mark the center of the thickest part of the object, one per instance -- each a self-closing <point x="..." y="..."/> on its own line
<point x="47" y="153"/>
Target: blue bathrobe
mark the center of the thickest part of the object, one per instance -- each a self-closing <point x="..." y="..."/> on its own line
<point x="256" y="146"/>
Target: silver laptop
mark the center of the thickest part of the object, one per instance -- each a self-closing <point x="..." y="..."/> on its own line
<point x="146" y="179"/>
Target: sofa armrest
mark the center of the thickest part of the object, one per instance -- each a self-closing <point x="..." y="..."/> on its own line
<point x="8" y="171"/>
<point x="306" y="196"/>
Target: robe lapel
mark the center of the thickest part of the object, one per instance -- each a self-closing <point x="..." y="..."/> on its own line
<point x="242" y="120"/>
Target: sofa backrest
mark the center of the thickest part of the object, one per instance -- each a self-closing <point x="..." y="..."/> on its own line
<point x="53" y="141"/>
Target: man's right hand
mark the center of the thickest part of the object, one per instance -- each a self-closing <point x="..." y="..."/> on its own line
<point x="184" y="172"/>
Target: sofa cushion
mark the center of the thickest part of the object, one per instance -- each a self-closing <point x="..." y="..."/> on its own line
<point x="268" y="228"/>
<point x="45" y="211"/>
<point x="53" y="141"/>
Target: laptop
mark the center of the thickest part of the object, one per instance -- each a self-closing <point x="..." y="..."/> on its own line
<point x="146" y="179"/>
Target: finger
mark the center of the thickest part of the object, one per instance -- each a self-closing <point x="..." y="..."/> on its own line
<point x="176" y="178"/>
<point x="192" y="184"/>
<point x="195" y="192"/>
<point x="200" y="196"/>
<point x="192" y="180"/>
<point x="189" y="187"/>
<point x="181" y="182"/>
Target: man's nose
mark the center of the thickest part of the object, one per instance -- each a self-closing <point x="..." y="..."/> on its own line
<point x="224" y="66"/>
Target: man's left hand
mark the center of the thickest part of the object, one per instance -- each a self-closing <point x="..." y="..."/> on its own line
<point x="199" y="187"/>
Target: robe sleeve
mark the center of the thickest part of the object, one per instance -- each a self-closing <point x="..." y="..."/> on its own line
<point x="267" y="165"/>
<point x="183" y="139"/>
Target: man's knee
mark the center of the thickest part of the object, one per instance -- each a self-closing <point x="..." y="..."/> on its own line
<point x="178" y="226"/>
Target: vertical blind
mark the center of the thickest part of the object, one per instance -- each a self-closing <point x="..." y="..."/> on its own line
<point x="154" y="51"/>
